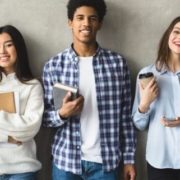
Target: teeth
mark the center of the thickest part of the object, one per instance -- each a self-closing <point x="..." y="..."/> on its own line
<point x="177" y="43"/>
<point x="86" y="33"/>
<point x="85" y="30"/>
<point x="3" y="58"/>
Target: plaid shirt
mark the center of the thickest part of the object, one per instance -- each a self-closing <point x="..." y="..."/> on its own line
<point x="112" y="82"/>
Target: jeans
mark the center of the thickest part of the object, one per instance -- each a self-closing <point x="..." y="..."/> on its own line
<point x="21" y="176"/>
<point x="90" y="171"/>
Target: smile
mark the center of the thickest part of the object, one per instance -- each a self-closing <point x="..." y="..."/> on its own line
<point x="4" y="58"/>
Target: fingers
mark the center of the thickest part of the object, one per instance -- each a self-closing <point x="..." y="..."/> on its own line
<point x="71" y="107"/>
<point x="178" y="118"/>
<point x="153" y="85"/>
<point x="13" y="141"/>
<point x="170" y="123"/>
<point x="129" y="172"/>
<point x="67" y="97"/>
<point x="78" y="104"/>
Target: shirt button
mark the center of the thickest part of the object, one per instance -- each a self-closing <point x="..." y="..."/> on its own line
<point x="78" y="147"/>
<point x="77" y="133"/>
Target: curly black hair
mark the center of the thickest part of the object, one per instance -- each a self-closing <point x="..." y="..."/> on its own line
<point x="98" y="5"/>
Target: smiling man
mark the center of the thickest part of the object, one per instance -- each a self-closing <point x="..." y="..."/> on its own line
<point x="94" y="131"/>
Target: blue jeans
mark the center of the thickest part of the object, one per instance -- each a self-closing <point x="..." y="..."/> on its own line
<point x="21" y="176"/>
<point x="90" y="171"/>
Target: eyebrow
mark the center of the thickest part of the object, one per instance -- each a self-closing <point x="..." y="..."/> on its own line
<point x="88" y="16"/>
<point x="177" y="27"/>
<point x="8" y="41"/>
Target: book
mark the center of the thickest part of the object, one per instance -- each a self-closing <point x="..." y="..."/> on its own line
<point x="7" y="102"/>
<point x="59" y="92"/>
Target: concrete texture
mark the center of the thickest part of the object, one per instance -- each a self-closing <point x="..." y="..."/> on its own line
<point x="132" y="28"/>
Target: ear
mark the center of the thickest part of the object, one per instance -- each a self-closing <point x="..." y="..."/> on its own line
<point x="100" y="25"/>
<point x="70" y="23"/>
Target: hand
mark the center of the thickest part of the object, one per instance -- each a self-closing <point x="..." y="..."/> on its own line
<point x="147" y="95"/>
<point x="13" y="141"/>
<point x="129" y="172"/>
<point x="170" y="123"/>
<point x="71" y="107"/>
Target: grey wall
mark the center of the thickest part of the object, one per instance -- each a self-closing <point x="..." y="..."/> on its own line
<point x="132" y="28"/>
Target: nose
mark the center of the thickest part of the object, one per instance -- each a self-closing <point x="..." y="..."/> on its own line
<point x="2" y="49"/>
<point x="86" y="22"/>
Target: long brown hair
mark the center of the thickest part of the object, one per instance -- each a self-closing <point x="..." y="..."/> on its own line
<point x="22" y="68"/>
<point x="164" y="51"/>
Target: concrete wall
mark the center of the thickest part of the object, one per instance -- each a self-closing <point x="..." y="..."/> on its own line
<point x="132" y="28"/>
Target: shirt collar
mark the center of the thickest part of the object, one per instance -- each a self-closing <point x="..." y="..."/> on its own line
<point x="165" y="70"/>
<point x="75" y="58"/>
<point x="10" y="76"/>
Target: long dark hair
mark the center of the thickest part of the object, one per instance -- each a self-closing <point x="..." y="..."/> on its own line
<point x="22" y="68"/>
<point x="164" y="51"/>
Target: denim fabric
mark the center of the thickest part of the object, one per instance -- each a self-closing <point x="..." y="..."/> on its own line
<point x="22" y="176"/>
<point x="90" y="171"/>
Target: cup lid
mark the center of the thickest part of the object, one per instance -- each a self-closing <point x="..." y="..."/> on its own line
<point x="145" y="75"/>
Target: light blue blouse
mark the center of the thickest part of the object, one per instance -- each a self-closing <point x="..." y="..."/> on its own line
<point x="163" y="143"/>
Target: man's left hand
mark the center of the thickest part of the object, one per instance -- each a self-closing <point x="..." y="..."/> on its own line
<point x="129" y="172"/>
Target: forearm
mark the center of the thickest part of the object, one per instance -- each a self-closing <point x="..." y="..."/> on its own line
<point x="20" y="134"/>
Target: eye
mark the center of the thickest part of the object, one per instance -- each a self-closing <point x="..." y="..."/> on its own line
<point x="79" y="18"/>
<point x="176" y="32"/>
<point x="94" y="18"/>
<point x="8" y="44"/>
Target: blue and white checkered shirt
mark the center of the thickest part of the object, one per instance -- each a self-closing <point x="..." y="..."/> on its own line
<point x="112" y="82"/>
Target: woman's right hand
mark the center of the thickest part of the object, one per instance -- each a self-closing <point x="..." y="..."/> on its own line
<point x="147" y="95"/>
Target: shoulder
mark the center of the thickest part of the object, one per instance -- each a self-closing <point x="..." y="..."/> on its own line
<point x="112" y="56"/>
<point x="57" y="59"/>
<point x="34" y="83"/>
<point x="109" y="53"/>
<point x="149" y="68"/>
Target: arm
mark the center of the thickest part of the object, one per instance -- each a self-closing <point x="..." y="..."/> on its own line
<point x="143" y="99"/>
<point x="24" y="127"/>
<point x="53" y="118"/>
<point x="128" y="137"/>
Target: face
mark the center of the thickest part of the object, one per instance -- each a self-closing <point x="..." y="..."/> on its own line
<point x="85" y="25"/>
<point x="8" y="53"/>
<point x="174" y="40"/>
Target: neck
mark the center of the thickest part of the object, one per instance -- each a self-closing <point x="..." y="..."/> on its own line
<point x="85" y="50"/>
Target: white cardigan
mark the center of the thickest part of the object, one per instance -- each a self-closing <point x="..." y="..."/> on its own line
<point x="22" y="126"/>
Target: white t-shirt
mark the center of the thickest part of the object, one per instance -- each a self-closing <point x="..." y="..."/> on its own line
<point x="90" y="133"/>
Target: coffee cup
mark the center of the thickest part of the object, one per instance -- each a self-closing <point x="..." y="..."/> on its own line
<point x="145" y="78"/>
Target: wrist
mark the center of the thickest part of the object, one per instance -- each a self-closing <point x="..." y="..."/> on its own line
<point x="143" y="108"/>
<point x="62" y="116"/>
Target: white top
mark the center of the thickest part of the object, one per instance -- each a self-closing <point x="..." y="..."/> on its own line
<point x="90" y="133"/>
<point x="22" y="126"/>
<point x="163" y="143"/>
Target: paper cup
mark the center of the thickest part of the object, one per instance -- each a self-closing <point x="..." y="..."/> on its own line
<point x="145" y="78"/>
